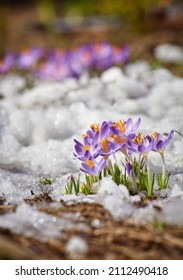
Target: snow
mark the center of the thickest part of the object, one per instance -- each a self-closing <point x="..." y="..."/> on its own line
<point x="37" y="127"/>
<point x="76" y="246"/>
<point x="29" y="221"/>
<point x="169" y="53"/>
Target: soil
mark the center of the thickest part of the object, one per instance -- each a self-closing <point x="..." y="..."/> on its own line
<point x="113" y="240"/>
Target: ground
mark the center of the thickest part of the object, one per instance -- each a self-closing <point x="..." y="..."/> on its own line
<point x="113" y="240"/>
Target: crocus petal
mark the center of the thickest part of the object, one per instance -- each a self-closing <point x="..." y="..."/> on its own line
<point x="77" y="142"/>
<point x="96" y="138"/>
<point x="136" y="125"/>
<point x="78" y="149"/>
<point x="102" y="164"/>
<point x="169" y="138"/>
<point x="104" y="130"/>
<point x="131" y="136"/>
<point x="116" y="131"/>
<point x="129" y="169"/>
<point x="160" y="145"/>
<point x="87" y="170"/>
<point x="129" y="124"/>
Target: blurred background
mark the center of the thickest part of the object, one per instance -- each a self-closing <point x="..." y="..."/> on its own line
<point x="68" y="23"/>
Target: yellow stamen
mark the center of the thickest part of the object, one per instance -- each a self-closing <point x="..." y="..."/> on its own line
<point x="90" y="163"/>
<point x="139" y="139"/>
<point x="86" y="148"/>
<point x="84" y="135"/>
<point x="118" y="139"/>
<point x="122" y="126"/>
<point x="154" y="135"/>
<point x="96" y="127"/>
<point x="105" y="145"/>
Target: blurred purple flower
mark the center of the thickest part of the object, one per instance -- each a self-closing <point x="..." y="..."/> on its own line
<point x="53" y="70"/>
<point x="120" y="55"/>
<point x="102" y="53"/>
<point x="8" y="63"/>
<point x="81" y="60"/>
<point x="59" y="64"/>
<point x="29" y="57"/>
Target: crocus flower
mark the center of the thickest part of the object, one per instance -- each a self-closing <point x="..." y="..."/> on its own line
<point x="90" y="146"/>
<point x="102" y="53"/>
<point x="103" y="136"/>
<point x="84" y="56"/>
<point x="140" y="144"/>
<point x="92" y="166"/>
<point x="132" y="177"/>
<point x="120" y="55"/>
<point x="125" y="128"/>
<point x="146" y="147"/>
<point x="123" y="132"/>
<point x="8" y="63"/>
<point x="52" y="70"/>
<point x="29" y="57"/>
<point x="160" y="144"/>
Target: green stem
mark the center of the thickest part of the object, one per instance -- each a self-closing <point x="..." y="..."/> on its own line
<point x="149" y="186"/>
<point x="139" y="161"/>
<point x="134" y="181"/>
<point x="110" y="167"/>
<point x="128" y="157"/>
<point x="163" y="168"/>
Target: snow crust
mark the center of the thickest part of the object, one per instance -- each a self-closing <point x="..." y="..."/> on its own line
<point x="37" y="127"/>
<point x="169" y="53"/>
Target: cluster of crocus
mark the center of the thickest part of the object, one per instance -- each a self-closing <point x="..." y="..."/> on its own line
<point x="109" y="138"/>
<point x="58" y="64"/>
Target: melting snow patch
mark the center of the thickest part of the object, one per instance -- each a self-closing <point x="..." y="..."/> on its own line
<point x="169" y="53"/>
<point x="76" y="247"/>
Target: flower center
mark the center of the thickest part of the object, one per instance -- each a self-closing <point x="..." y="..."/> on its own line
<point x="90" y="163"/>
<point x="86" y="148"/>
<point x="121" y="125"/>
<point x="95" y="127"/>
<point x="139" y="139"/>
<point x="105" y="145"/>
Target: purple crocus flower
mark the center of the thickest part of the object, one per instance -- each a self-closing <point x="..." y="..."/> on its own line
<point x="160" y="144"/>
<point x="141" y="145"/>
<point x="102" y="53"/>
<point x="84" y="56"/>
<point x="103" y="136"/>
<point x="93" y="167"/>
<point x="125" y="128"/>
<point x="29" y="57"/>
<point x="146" y="147"/>
<point x="108" y="148"/>
<point x="8" y="63"/>
<point x="53" y="70"/>
<point x="120" y="55"/>
<point x="123" y="132"/>
<point x="90" y="148"/>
